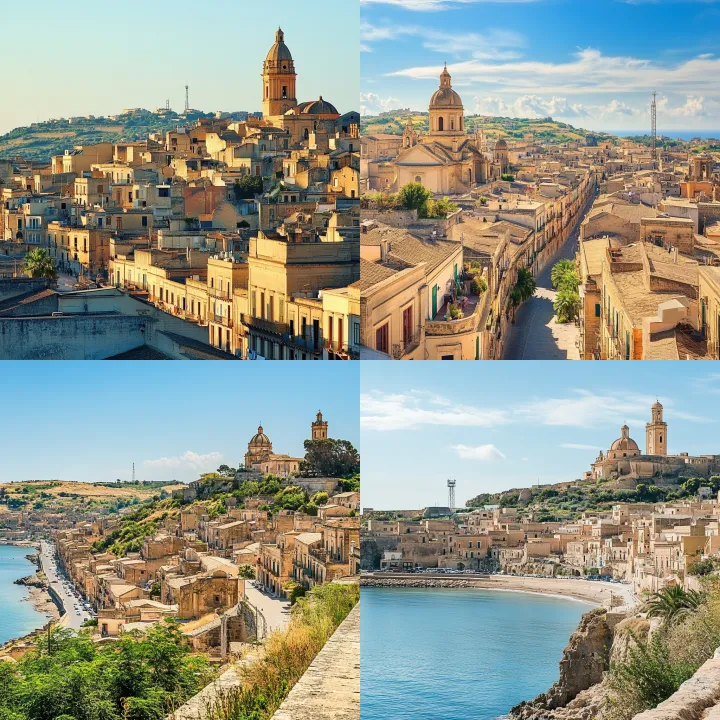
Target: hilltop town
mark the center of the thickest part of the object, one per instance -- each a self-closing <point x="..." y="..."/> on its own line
<point x="225" y="555"/>
<point x="464" y="220"/>
<point x="221" y="238"/>
<point x="648" y="519"/>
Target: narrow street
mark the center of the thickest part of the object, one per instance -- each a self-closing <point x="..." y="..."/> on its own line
<point x="73" y="618"/>
<point x="536" y="334"/>
<point x="275" y="611"/>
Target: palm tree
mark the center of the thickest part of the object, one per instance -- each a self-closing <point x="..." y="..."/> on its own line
<point x="673" y="603"/>
<point x="38" y="264"/>
<point x="562" y="272"/>
<point x="567" y="305"/>
<point x="526" y="284"/>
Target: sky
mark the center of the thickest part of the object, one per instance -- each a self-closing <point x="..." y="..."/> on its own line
<point x="90" y="421"/>
<point x="497" y="426"/>
<point x="590" y="63"/>
<point x="89" y="57"/>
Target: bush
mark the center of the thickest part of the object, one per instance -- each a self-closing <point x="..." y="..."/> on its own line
<point x="479" y="285"/>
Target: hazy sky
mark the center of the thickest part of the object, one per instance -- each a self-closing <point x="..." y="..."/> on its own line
<point x="592" y="63"/>
<point x="494" y="426"/>
<point x="95" y="57"/>
<point x="91" y="420"/>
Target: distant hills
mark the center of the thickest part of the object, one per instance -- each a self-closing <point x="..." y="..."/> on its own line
<point x="40" y="141"/>
<point x="543" y="129"/>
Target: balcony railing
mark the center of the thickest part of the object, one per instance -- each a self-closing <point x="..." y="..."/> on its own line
<point x="224" y="294"/>
<point x="314" y="345"/>
<point x="409" y="343"/>
<point x="222" y="320"/>
<point x="267" y="326"/>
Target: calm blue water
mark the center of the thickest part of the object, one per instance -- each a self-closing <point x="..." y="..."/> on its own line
<point x="17" y="616"/>
<point x="448" y="654"/>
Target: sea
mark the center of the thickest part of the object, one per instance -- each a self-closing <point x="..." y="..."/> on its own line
<point x="470" y="654"/>
<point x="17" y="615"/>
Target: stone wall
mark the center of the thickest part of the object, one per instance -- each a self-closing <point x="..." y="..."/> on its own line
<point x="330" y="687"/>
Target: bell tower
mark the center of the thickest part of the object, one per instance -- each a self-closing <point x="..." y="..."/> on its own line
<point x="656" y="432"/>
<point x="319" y="428"/>
<point x="279" y="79"/>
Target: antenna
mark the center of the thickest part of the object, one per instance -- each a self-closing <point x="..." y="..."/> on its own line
<point x="451" y="493"/>
<point x="167" y="104"/>
<point x="133" y="474"/>
<point x="187" y="97"/>
<point x="653" y="121"/>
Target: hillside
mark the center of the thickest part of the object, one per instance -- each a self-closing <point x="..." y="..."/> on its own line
<point x="544" y="129"/>
<point x="56" y="495"/>
<point x="39" y="141"/>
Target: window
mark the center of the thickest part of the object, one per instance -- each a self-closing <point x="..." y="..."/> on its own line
<point x="144" y="221"/>
<point x="407" y="325"/>
<point x="441" y="124"/>
<point x="382" y="338"/>
<point x="597" y="309"/>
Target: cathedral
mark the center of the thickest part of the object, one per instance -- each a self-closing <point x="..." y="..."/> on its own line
<point x="281" y="108"/>
<point x="624" y="459"/>
<point x="260" y="455"/>
<point x="448" y="160"/>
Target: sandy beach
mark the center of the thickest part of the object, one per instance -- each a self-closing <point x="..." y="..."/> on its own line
<point x="589" y="591"/>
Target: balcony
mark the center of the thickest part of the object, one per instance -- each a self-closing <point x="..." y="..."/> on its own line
<point x="266" y="326"/>
<point x="308" y="344"/>
<point x="472" y="308"/>
<point x="224" y="294"/>
<point x="222" y="320"/>
<point x="409" y="343"/>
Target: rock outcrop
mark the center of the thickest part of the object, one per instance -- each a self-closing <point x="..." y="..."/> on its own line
<point x="579" y="693"/>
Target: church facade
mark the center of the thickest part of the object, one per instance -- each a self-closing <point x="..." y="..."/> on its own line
<point x="448" y="160"/>
<point x="260" y="455"/>
<point x="624" y="459"/>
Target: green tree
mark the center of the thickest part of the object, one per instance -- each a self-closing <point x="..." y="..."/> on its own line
<point x="560" y="272"/>
<point x="330" y="458"/>
<point x="414" y="196"/>
<point x="672" y="603"/>
<point x="38" y="264"/>
<point x="247" y="187"/>
<point x="247" y="572"/>
<point x="567" y="305"/>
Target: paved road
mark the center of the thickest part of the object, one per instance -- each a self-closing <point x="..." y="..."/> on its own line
<point x="71" y="619"/>
<point x="536" y="334"/>
<point x="275" y="611"/>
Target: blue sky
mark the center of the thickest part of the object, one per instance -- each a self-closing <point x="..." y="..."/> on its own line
<point x="83" y="57"/>
<point x="90" y="421"/>
<point x="592" y="63"/>
<point x="494" y="426"/>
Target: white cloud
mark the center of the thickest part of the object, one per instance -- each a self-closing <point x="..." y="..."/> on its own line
<point x="530" y="106"/>
<point x="588" y="72"/>
<point x="434" y="5"/>
<point x="373" y="104"/>
<point x="481" y="452"/>
<point x="579" y="446"/>
<point x="405" y="411"/>
<point x="188" y="459"/>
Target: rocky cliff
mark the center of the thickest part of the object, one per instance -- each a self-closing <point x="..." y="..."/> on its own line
<point x="580" y="692"/>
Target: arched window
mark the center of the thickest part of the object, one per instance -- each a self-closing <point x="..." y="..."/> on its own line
<point x="441" y="124"/>
<point x="452" y="124"/>
<point x="307" y="134"/>
<point x="418" y="179"/>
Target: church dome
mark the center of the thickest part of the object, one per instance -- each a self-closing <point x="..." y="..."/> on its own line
<point x="261" y="438"/>
<point x="445" y="96"/>
<point x="501" y="144"/>
<point x="318" y="107"/>
<point x="279" y="52"/>
<point x="625" y="442"/>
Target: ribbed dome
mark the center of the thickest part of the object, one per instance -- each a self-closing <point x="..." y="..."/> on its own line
<point x="625" y="442"/>
<point x="318" y="107"/>
<point x="279" y="52"/>
<point x="261" y="438"/>
<point x="501" y="144"/>
<point x="445" y="96"/>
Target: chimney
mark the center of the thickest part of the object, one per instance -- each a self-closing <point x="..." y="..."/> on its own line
<point x="384" y="250"/>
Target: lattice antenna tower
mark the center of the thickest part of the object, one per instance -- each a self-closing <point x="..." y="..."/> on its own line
<point x="187" y="98"/>
<point x="133" y="474"/>
<point x="451" y="493"/>
<point x="653" y="120"/>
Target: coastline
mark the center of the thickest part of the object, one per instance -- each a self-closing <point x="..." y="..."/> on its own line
<point x="592" y="592"/>
<point x="38" y="595"/>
